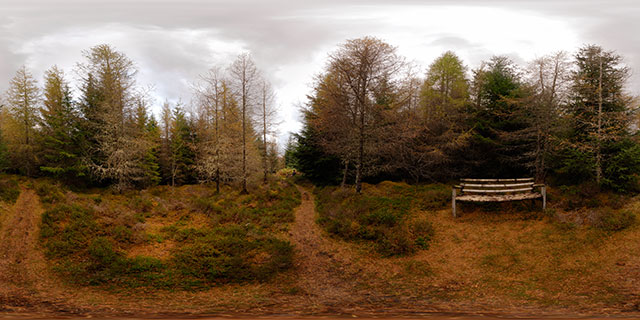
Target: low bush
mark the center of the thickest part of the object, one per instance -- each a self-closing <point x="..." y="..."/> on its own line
<point x="50" y="192"/>
<point x="9" y="190"/>
<point x="88" y="241"/>
<point x="381" y="215"/>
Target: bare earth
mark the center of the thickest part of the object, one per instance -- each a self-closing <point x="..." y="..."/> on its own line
<point x="324" y="285"/>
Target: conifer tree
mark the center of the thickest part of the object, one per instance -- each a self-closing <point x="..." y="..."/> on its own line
<point x="61" y="135"/>
<point x="23" y="98"/>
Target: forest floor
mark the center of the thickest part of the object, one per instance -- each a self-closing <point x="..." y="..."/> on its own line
<point x="332" y="277"/>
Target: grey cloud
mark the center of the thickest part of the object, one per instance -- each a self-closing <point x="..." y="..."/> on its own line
<point x="279" y="33"/>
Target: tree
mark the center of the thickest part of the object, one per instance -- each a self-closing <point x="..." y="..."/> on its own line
<point x="501" y="138"/>
<point x="210" y="96"/>
<point x="115" y="152"/>
<point x="182" y="146"/>
<point x="23" y="97"/>
<point x="60" y="125"/>
<point x="436" y="132"/>
<point x="599" y="106"/>
<point x="309" y="157"/>
<point x="548" y="81"/>
<point x="266" y="116"/>
<point x="354" y="98"/>
<point x="446" y="88"/>
<point x="145" y="130"/>
<point x="245" y="77"/>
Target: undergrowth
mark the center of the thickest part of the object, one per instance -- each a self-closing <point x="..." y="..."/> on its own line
<point x="381" y="215"/>
<point x="90" y="237"/>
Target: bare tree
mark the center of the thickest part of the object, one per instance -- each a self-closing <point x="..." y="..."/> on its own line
<point x="357" y="91"/>
<point x="23" y="98"/>
<point x="245" y="77"/>
<point x="266" y="115"/>
<point x="549" y="80"/>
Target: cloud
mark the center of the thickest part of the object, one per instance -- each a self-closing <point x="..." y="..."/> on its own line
<point x="172" y="42"/>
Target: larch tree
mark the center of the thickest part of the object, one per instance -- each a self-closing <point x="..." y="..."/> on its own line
<point x="210" y="97"/>
<point x="23" y="99"/>
<point x="245" y="78"/>
<point x="266" y="115"/>
<point x="357" y="93"/>
<point x="438" y="130"/>
<point x="549" y="82"/>
<point x="115" y="153"/>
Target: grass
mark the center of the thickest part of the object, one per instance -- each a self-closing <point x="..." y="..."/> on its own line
<point x="494" y="256"/>
<point x="381" y="216"/>
<point x="169" y="238"/>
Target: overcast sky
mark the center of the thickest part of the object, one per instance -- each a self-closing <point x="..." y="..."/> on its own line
<point x="172" y="42"/>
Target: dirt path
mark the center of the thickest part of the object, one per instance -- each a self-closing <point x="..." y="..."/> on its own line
<point x="323" y="269"/>
<point x="21" y="263"/>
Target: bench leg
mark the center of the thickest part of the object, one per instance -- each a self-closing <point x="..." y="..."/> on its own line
<point x="544" y="198"/>
<point x="453" y="202"/>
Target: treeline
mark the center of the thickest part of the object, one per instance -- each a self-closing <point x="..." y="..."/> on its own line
<point x="107" y="135"/>
<point x="562" y="119"/>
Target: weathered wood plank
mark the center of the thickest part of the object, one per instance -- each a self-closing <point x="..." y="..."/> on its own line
<point x="497" y="180"/>
<point x="499" y="198"/>
<point x="497" y="191"/>
<point x="503" y="185"/>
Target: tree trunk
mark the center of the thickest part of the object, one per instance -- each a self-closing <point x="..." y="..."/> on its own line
<point x="599" y="132"/>
<point x="344" y="174"/>
<point x="360" y="154"/>
<point x="244" y="135"/>
<point x="264" y="134"/>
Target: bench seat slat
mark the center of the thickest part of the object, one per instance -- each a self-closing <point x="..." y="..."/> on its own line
<point x="503" y="185"/>
<point x="496" y="191"/>
<point x="497" y="180"/>
<point x="499" y="198"/>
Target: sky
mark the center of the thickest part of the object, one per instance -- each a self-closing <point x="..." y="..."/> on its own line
<point x="174" y="42"/>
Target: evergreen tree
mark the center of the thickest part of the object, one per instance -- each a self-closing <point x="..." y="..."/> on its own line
<point x="310" y="158"/>
<point x="600" y="114"/>
<point x="182" y="144"/>
<point x="499" y="145"/>
<point x="60" y="126"/>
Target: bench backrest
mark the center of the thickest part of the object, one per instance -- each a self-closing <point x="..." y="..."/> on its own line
<point x="497" y="186"/>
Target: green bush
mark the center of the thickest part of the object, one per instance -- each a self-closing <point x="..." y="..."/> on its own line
<point x="89" y="250"/>
<point x="9" y="190"/>
<point x="50" y="192"/>
<point x="231" y="254"/>
<point x="380" y="216"/>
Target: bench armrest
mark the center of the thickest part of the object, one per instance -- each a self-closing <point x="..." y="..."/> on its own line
<point x="459" y="187"/>
<point x="539" y="185"/>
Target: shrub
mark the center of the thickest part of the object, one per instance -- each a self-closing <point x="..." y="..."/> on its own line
<point x="49" y="192"/>
<point x="9" y="190"/>
<point x="381" y="215"/>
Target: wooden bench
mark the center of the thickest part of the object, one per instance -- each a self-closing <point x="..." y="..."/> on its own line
<point x="497" y="190"/>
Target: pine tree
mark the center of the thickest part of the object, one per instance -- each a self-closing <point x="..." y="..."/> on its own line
<point x="599" y="111"/>
<point x="60" y="129"/>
